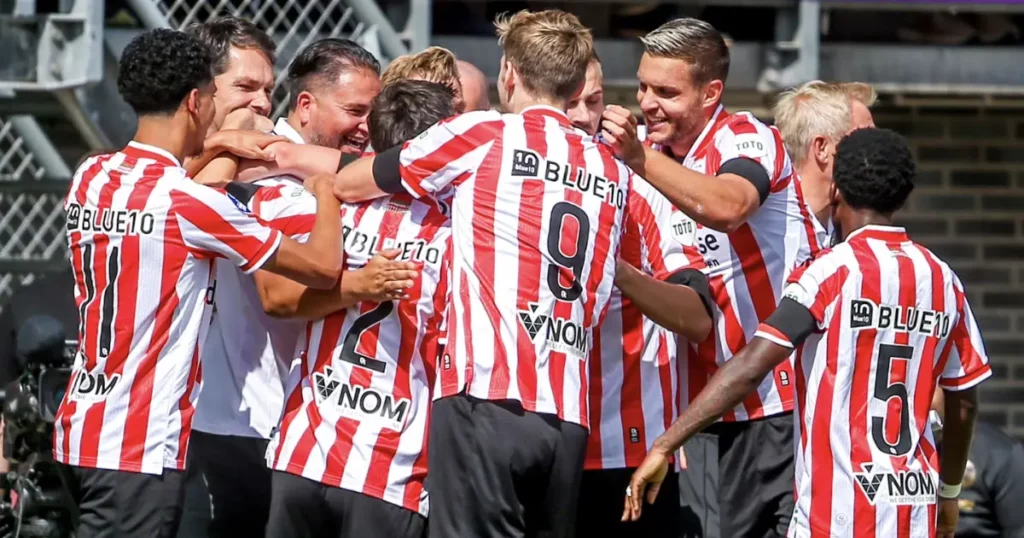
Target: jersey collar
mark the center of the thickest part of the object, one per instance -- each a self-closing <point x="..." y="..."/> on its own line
<point x="891" y="234"/>
<point x="285" y="129"/>
<point x="137" y="150"/>
<point x="549" y="111"/>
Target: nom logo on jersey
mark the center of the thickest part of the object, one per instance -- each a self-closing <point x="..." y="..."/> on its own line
<point x="109" y="221"/>
<point x="561" y="335"/>
<point x="359" y="403"/>
<point x="865" y="314"/>
<point x="93" y="387"/>
<point x="916" y="488"/>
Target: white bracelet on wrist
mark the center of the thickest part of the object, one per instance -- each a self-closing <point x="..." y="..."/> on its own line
<point x="947" y="491"/>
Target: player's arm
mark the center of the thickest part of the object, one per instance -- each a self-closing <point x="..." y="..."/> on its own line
<point x="786" y="328"/>
<point x="966" y="365"/>
<point x="722" y="202"/>
<point x="681" y="303"/>
<point x="440" y="156"/>
<point x="317" y="262"/>
<point x="382" y="279"/>
<point x="219" y="172"/>
<point x="299" y="160"/>
<point x="247" y="144"/>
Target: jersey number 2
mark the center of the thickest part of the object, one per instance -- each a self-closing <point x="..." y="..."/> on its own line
<point x="575" y="261"/>
<point x="884" y="391"/>
<point x="360" y="325"/>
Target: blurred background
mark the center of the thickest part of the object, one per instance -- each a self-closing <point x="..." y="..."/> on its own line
<point x="949" y="75"/>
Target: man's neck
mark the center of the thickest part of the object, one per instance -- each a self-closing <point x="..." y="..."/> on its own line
<point x="861" y="219"/>
<point x="815" y="186"/>
<point x="294" y="122"/>
<point x="163" y="133"/>
<point x="522" y="101"/>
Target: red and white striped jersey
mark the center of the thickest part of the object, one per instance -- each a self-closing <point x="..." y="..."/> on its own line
<point x="142" y="236"/>
<point x="866" y="463"/>
<point x="633" y="363"/>
<point x="748" y="267"/>
<point x="247" y="353"/>
<point x="537" y="209"/>
<point x="357" y="407"/>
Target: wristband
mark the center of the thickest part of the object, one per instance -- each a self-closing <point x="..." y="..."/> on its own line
<point x="947" y="491"/>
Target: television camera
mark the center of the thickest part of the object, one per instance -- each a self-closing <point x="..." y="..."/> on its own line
<point x="39" y="505"/>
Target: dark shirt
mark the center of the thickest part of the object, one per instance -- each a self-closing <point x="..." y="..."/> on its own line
<point x="993" y="504"/>
<point x="52" y="295"/>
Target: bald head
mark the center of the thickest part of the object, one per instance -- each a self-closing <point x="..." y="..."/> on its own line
<point x="474" y="87"/>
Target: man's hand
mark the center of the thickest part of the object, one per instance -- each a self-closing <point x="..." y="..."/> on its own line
<point x="384" y="278"/>
<point x="263" y="124"/>
<point x="240" y="119"/>
<point x="320" y="185"/>
<point x="244" y="144"/>
<point x="618" y="129"/>
<point x="648" y="477"/>
<point x="949" y="513"/>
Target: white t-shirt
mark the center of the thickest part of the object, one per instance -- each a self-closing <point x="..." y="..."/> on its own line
<point x="247" y="353"/>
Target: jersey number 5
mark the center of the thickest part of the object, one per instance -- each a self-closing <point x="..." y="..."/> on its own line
<point x="360" y="325"/>
<point x="884" y="391"/>
<point x="561" y="213"/>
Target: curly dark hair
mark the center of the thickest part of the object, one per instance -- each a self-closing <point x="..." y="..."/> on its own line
<point x="159" y="68"/>
<point x="324" y="61"/>
<point x="223" y="33"/>
<point x="406" y="108"/>
<point x="874" y="170"/>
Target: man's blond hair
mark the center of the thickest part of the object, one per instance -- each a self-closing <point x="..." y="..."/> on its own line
<point x="550" y="50"/>
<point x="818" y="109"/>
<point x="435" y="64"/>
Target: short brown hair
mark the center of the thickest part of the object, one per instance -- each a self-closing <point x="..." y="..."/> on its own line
<point x="550" y="50"/>
<point x="220" y="34"/>
<point x="694" y="41"/>
<point x="435" y="64"/>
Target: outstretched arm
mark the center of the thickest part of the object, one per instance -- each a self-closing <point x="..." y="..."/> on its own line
<point x="382" y="279"/>
<point x="681" y="303"/>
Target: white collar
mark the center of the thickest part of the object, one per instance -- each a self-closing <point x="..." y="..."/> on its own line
<point x="285" y="129"/>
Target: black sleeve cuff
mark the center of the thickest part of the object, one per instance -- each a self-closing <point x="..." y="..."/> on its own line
<point x="793" y="320"/>
<point x="750" y="170"/>
<point x="243" y="192"/>
<point x="696" y="281"/>
<point x="347" y="159"/>
<point x="386" y="172"/>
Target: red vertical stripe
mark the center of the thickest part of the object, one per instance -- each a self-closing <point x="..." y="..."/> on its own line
<point x="531" y="219"/>
<point x="864" y="515"/>
<point x="821" y="438"/>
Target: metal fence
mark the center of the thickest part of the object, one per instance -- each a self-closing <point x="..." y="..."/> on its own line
<point x="292" y="23"/>
<point x="31" y="212"/>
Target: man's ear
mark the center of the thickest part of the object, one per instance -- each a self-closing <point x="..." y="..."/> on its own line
<point x="192" y="103"/>
<point x="511" y="77"/>
<point x="305" y="107"/>
<point x="819" y="151"/>
<point x="713" y="94"/>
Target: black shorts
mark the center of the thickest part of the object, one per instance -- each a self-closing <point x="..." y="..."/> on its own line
<point x="497" y="471"/>
<point x="602" y="499"/>
<point x="228" y="487"/>
<point x="120" y="504"/>
<point x="304" y="508"/>
<point x="739" y="479"/>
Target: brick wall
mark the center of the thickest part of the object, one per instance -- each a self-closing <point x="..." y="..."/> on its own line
<point x="968" y="207"/>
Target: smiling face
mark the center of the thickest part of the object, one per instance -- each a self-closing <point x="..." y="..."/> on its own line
<point x="334" y="115"/>
<point x="585" y="110"/>
<point x="674" y="105"/>
<point x="247" y="82"/>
